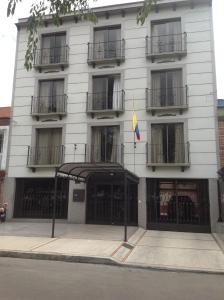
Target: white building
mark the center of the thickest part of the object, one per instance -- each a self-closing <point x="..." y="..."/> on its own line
<point x="76" y="106"/>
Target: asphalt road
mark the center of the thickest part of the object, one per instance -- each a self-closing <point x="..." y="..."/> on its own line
<point x="33" y="279"/>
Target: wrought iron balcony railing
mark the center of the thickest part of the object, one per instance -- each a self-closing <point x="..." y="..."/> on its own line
<point x="56" y="105"/>
<point x="112" y="51"/>
<point x="54" y="56"/>
<point x="108" y="153"/>
<point x="166" y="45"/>
<point x="45" y="156"/>
<point x="170" y="154"/>
<point x="175" y="98"/>
<point x="102" y="102"/>
<point x="94" y="153"/>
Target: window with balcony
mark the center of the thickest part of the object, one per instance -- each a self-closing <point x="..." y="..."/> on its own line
<point x="106" y="95"/>
<point x="107" y="45"/>
<point x="105" y="146"/>
<point x="166" y="39"/>
<point x="48" y="149"/>
<point x="167" y="145"/>
<point x="167" y="91"/>
<point x="51" y="98"/>
<point x="53" y="51"/>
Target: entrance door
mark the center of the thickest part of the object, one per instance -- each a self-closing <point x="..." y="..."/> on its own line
<point x="180" y="205"/>
<point x="105" y="202"/>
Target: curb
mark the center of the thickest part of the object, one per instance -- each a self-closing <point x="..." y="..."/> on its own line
<point x="101" y="261"/>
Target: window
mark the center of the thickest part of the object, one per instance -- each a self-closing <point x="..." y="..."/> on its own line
<point x="166" y="37"/>
<point x="53" y="48"/>
<point x="107" y="94"/>
<point x="48" y="148"/>
<point x="167" y="88"/>
<point x="51" y="96"/>
<point x="105" y="144"/>
<point x="107" y="42"/>
<point x="168" y="143"/>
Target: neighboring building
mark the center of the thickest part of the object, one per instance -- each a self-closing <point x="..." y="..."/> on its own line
<point x="4" y="132"/>
<point x="220" y="106"/>
<point x="76" y="106"/>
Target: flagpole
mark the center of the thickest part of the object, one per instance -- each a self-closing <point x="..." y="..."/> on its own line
<point x="133" y="104"/>
<point x="134" y="151"/>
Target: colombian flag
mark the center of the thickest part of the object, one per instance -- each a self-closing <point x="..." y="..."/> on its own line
<point x="135" y="125"/>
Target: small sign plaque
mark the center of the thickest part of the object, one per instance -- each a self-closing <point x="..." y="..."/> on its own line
<point x="78" y="195"/>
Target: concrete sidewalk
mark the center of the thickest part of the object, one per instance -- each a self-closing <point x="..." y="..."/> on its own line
<point x="178" y="250"/>
<point x="103" y="244"/>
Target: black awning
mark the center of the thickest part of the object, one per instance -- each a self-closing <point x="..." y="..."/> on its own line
<point x="80" y="172"/>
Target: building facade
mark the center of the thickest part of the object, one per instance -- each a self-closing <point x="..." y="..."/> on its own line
<point x="5" y="113"/>
<point x="220" y="226"/>
<point x="220" y="106"/>
<point x="76" y="105"/>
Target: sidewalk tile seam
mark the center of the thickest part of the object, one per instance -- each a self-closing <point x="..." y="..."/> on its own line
<point x="127" y="255"/>
<point x="116" y="250"/>
<point x="164" y="247"/>
<point x="178" y="238"/>
<point x="140" y="238"/>
<point x="219" y="242"/>
<point x="43" y="244"/>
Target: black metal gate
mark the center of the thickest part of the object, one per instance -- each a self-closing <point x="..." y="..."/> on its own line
<point x="34" y="198"/>
<point x="105" y="201"/>
<point x="180" y="205"/>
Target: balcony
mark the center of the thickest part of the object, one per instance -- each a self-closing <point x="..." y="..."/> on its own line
<point x="45" y="156"/>
<point x="46" y="106"/>
<point x="107" y="153"/>
<point x="167" y="99"/>
<point x="169" y="155"/>
<point x="106" y="52"/>
<point x="164" y="46"/>
<point x="98" y="103"/>
<point x="51" y="58"/>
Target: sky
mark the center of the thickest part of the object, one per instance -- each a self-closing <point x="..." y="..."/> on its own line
<point x="8" y="44"/>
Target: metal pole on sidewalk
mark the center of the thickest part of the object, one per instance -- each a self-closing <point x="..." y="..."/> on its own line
<point x="54" y="202"/>
<point x="125" y="207"/>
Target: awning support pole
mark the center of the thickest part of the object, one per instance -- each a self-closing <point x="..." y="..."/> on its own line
<point x="125" y="207"/>
<point x="54" y="202"/>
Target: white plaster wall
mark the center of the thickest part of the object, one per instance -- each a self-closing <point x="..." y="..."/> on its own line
<point x="76" y="210"/>
<point x="3" y="154"/>
<point x="198" y="67"/>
